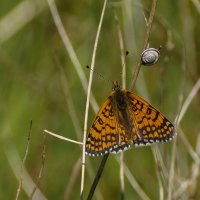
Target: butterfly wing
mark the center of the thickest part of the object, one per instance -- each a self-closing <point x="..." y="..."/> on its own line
<point x="106" y="134"/>
<point x="150" y="125"/>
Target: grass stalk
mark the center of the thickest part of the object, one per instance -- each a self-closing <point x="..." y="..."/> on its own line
<point x="88" y="97"/>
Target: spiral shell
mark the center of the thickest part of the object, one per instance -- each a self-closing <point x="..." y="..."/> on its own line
<point x="150" y="56"/>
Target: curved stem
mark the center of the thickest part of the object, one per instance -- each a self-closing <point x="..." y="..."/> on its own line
<point x="146" y="41"/>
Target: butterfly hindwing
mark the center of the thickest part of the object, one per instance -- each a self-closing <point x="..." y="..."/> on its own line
<point x="150" y="124"/>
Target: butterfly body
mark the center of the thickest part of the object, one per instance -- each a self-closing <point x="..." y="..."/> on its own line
<point x="126" y="118"/>
<point x="120" y="107"/>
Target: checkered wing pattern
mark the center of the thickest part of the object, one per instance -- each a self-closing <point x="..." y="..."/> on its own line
<point x="124" y="118"/>
<point x="106" y="134"/>
<point x="150" y="125"/>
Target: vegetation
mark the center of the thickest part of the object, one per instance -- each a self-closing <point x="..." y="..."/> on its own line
<point x="41" y="80"/>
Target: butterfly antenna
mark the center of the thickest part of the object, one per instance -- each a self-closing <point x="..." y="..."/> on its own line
<point x="97" y="73"/>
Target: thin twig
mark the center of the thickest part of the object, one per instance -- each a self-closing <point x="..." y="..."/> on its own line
<point x="98" y="176"/>
<point x="146" y="40"/>
<point x="23" y="162"/>
<point x="88" y="96"/>
<point x="62" y="138"/>
<point x="42" y="166"/>
<point x="70" y="50"/>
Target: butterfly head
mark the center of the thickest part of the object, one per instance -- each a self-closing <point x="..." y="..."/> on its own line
<point x="116" y="86"/>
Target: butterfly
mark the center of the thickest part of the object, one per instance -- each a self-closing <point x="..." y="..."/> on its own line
<point x="126" y="118"/>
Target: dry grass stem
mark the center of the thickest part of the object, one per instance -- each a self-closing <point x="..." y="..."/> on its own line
<point x="88" y="96"/>
<point x="23" y="162"/>
<point x="146" y="41"/>
<point x="62" y="138"/>
<point x="70" y="50"/>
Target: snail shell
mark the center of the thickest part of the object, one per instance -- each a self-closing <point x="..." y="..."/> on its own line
<point x="150" y="56"/>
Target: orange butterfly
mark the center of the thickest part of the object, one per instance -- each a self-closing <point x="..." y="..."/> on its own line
<point x="126" y="118"/>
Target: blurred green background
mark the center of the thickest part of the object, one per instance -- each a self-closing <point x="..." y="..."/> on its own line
<point x="38" y="80"/>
